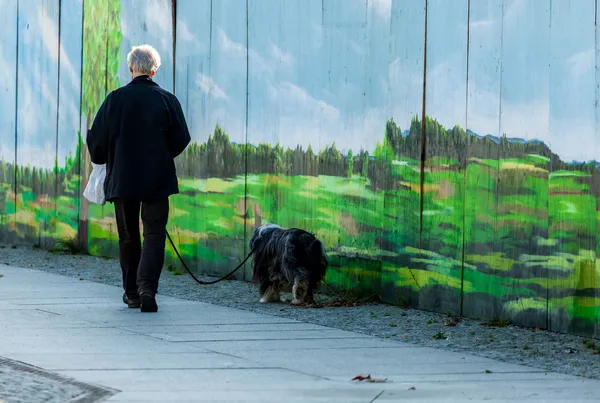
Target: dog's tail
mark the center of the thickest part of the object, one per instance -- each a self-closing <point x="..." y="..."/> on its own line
<point x="316" y="252"/>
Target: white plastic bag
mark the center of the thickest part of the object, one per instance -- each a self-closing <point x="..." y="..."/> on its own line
<point x="94" y="191"/>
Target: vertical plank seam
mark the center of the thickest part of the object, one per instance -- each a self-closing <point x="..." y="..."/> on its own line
<point x="80" y="138"/>
<point x="174" y="30"/>
<point x="108" y="16"/>
<point x="464" y="223"/>
<point x="423" y="128"/>
<point x="210" y="41"/>
<point x="389" y="114"/>
<point x="246" y="135"/>
<point x="15" y="173"/>
<point x="500" y="149"/>
<point x="56" y="170"/>
<point x="595" y="331"/>
<point x="548" y="318"/>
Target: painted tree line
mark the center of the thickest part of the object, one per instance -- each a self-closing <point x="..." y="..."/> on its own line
<point x="219" y="157"/>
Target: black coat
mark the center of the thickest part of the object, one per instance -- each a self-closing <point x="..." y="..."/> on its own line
<point x="137" y="132"/>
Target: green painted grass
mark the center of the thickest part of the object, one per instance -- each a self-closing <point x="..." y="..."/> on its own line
<point x="526" y="232"/>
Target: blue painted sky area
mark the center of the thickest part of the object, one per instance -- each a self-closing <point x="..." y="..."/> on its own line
<point x="323" y="72"/>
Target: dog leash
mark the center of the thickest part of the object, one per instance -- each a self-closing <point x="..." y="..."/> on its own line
<point x="192" y="274"/>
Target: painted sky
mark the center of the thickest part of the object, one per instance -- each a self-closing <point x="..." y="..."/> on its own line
<point x="321" y="72"/>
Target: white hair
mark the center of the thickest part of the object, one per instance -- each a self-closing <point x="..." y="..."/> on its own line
<point x="143" y="59"/>
<point x="265" y="227"/>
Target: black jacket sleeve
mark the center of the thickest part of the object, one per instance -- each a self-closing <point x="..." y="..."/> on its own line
<point x="98" y="135"/>
<point x="179" y="137"/>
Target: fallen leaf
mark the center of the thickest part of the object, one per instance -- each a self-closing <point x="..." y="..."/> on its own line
<point x="1" y="275"/>
<point x="368" y="378"/>
<point x="80" y="278"/>
<point x="412" y="388"/>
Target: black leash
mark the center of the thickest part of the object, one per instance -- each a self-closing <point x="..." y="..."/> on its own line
<point x="192" y="274"/>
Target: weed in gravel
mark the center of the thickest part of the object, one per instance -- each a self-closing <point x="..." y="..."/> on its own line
<point x="496" y="323"/>
<point x="454" y="318"/>
<point x="592" y="346"/>
<point x="404" y="302"/>
<point x="404" y="314"/>
<point x="526" y="348"/>
<point x="439" y="336"/>
<point x="487" y="371"/>
<point x="70" y="246"/>
<point x="393" y="324"/>
<point x="175" y="271"/>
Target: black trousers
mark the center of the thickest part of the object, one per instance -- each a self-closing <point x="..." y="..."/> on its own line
<point x="141" y="265"/>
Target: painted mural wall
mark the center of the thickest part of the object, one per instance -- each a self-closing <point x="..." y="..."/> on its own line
<point x="445" y="150"/>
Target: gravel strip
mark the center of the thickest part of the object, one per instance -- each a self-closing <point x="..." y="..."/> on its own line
<point x="540" y="349"/>
<point x="23" y="383"/>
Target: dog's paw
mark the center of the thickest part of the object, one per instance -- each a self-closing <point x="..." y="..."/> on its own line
<point x="267" y="299"/>
<point x="297" y="302"/>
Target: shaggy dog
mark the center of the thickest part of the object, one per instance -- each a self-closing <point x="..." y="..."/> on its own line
<point x="285" y="258"/>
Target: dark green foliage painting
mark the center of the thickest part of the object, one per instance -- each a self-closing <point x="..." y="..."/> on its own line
<point x="448" y="166"/>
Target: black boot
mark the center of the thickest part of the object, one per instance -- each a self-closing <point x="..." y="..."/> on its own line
<point x="148" y="303"/>
<point x="131" y="302"/>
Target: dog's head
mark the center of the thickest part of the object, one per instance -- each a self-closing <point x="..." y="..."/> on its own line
<point x="262" y="234"/>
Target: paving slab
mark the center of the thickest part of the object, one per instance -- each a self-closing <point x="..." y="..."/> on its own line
<point x="265" y="326"/>
<point x="133" y="361"/>
<point x="322" y="393"/>
<point x="198" y="352"/>
<point x="272" y="346"/>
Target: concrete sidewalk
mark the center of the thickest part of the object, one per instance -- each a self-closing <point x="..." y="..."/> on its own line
<point x="196" y="352"/>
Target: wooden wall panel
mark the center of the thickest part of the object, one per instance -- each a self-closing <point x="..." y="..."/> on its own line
<point x="211" y="84"/>
<point x="570" y="274"/>
<point x="402" y="148"/>
<point x="69" y="135"/>
<point x="189" y="216"/>
<point x="445" y="157"/>
<point x="522" y="217"/>
<point x="102" y="56"/>
<point x="149" y="22"/>
<point x="483" y="269"/>
<point x="596" y="173"/>
<point x="8" y="88"/>
<point x="37" y="114"/>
